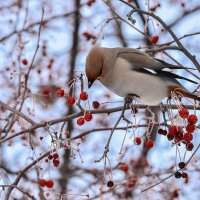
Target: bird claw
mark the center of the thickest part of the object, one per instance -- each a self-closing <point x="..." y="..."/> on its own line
<point x="129" y="98"/>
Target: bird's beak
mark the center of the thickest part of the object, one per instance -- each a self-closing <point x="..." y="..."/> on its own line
<point x="90" y="83"/>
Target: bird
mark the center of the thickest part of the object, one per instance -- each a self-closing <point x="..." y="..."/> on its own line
<point x="129" y="72"/>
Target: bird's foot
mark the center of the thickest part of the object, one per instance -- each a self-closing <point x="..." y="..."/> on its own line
<point x="130" y="97"/>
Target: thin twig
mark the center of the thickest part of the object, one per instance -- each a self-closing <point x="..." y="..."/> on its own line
<point x="7" y="107"/>
<point x="22" y="191"/>
<point x="111" y="134"/>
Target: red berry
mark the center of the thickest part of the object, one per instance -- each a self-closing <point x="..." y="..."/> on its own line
<point x="42" y="183"/>
<point x="88" y="117"/>
<point x="179" y="135"/>
<point x="149" y="143"/>
<point x="80" y="121"/>
<point x="49" y="183"/>
<point x="189" y="146"/>
<point x="25" y="62"/>
<point x="83" y="96"/>
<point x="175" y="194"/>
<point x="172" y="130"/>
<point x="55" y="155"/>
<point x="89" y="3"/>
<point x="154" y="39"/>
<point x="124" y="168"/>
<point x="183" y="113"/>
<point x="153" y="8"/>
<point x="190" y="128"/>
<point x="56" y="163"/>
<point x="71" y="100"/>
<point x="50" y="157"/>
<point x="188" y="137"/>
<point x="170" y="137"/>
<point x="184" y="175"/>
<point x="95" y="104"/>
<point x="164" y="132"/>
<point x="137" y="140"/>
<point x="60" y="92"/>
<point x="192" y="119"/>
<point x="85" y="34"/>
<point x="160" y="130"/>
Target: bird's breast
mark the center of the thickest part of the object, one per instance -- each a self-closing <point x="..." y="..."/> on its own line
<point x="122" y="80"/>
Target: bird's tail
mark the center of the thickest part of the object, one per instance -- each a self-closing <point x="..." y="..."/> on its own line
<point x="183" y="92"/>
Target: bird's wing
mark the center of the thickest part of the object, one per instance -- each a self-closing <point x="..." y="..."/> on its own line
<point x="144" y="63"/>
<point x="140" y="59"/>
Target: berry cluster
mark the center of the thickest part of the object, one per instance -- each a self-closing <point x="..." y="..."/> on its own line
<point x="177" y="134"/>
<point x="87" y="117"/>
<point x="149" y="143"/>
<point x="178" y="174"/>
<point x="83" y="96"/>
<point x="47" y="183"/>
<point x="55" y="158"/>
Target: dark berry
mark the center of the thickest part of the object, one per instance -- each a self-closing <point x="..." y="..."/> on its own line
<point x="181" y="165"/>
<point x="110" y="184"/>
<point x="95" y="104"/>
<point x="178" y="174"/>
<point x="189" y="146"/>
<point x="160" y="130"/>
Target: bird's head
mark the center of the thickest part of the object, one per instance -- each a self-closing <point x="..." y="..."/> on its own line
<point x="94" y="65"/>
